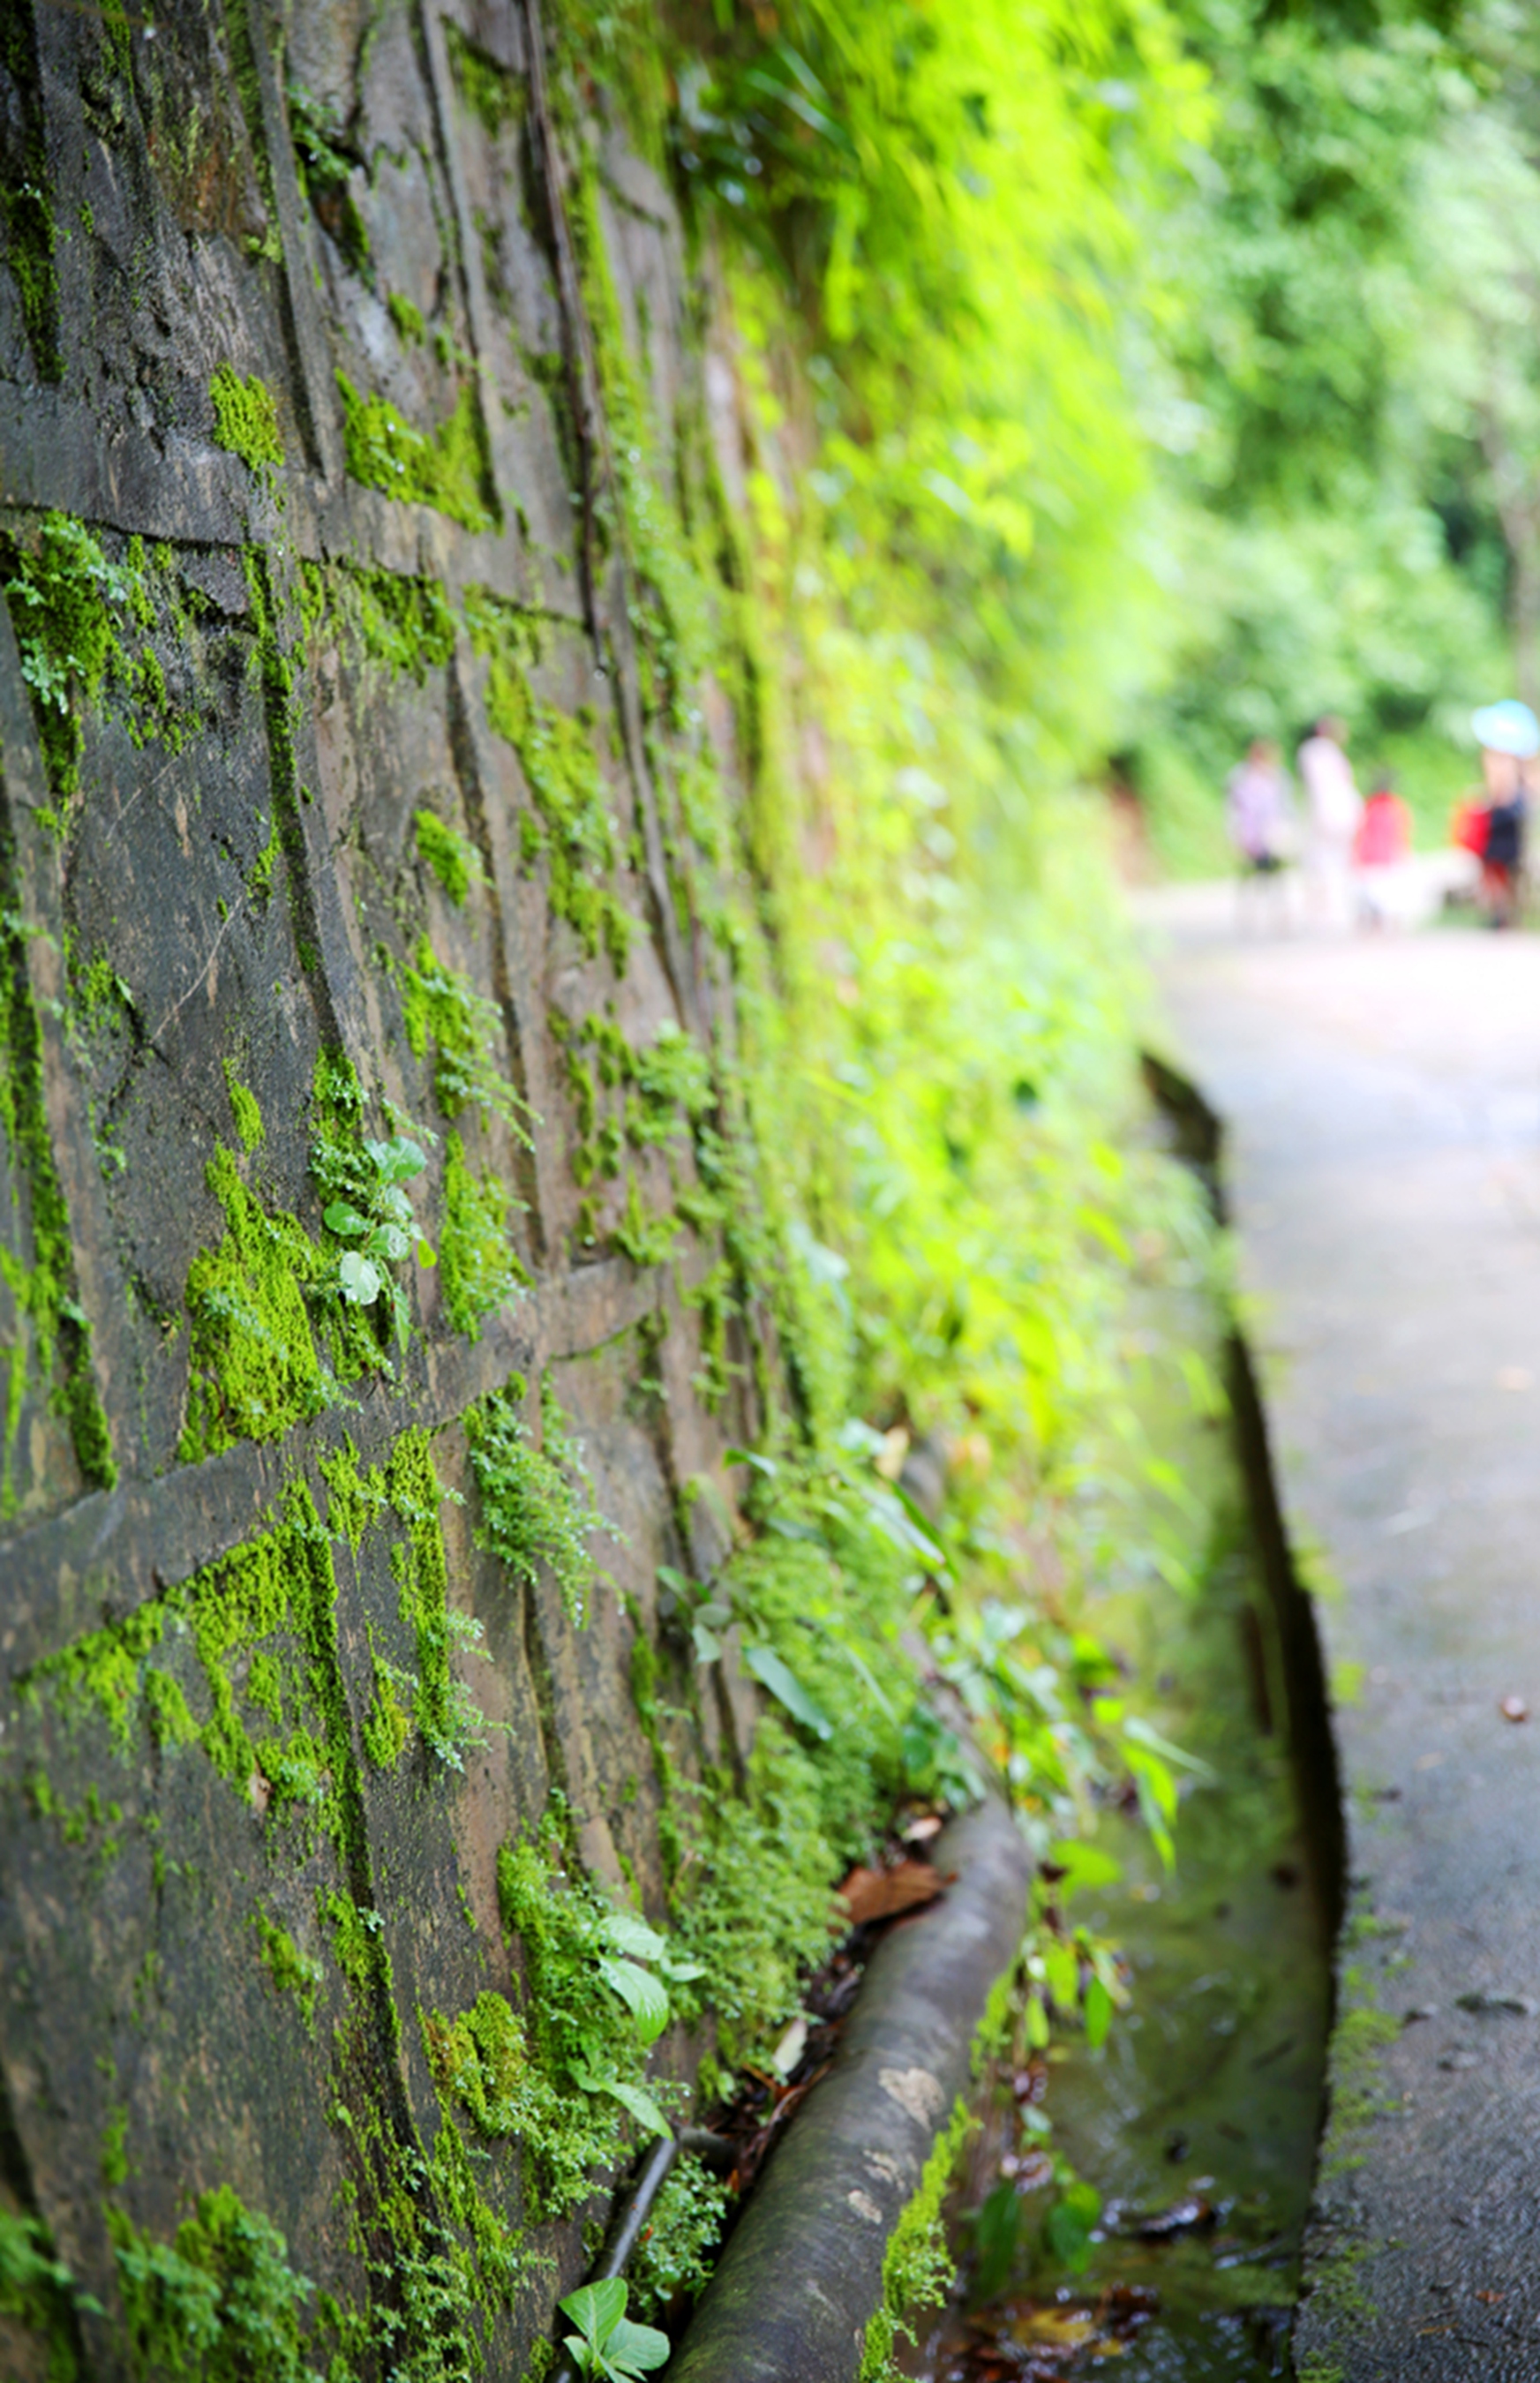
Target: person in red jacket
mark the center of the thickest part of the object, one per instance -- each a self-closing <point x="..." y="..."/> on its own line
<point x="1382" y="844"/>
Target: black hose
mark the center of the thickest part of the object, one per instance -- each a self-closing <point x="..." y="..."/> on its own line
<point x="714" y="2150"/>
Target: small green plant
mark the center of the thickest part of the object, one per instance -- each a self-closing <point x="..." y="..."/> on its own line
<point x="536" y="1503"/>
<point x="480" y="1269"/>
<point x="372" y="1214"/>
<point x="63" y="597"/>
<point x="675" y="2253"/>
<point x="221" y="2303"/>
<point x="606" y="2343"/>
<point x="39" y="2293"/>
<point x="442" y="1005"/>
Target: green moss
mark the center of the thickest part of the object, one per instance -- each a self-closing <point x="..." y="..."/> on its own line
<point x="576" y="831"/>
<point x="478" y="1269"/>
<point x="647" y="1240"/>
<point x="219" y="2305"/>
<point x="674" y="2256"/>
<point x="56" y="1347"/>
<point x="256" y="1369"/>
<point x="325" y="160"/>
<point x="30" y="236"/>
<point x="672" y="614"/>
<point x="114" y="2148"/>
<point x="66" y="601"/>
<point x="563" y="2075"/>
<point x="356" y="1499"/>
<point x="448" y="471"/>
<point x="917" y="2268"/>
<point x="452" y="857"/>
<point x="442" y="1005"/>
<point x="244" y="1109"/>
<point x="292" y="1972"/>
<point x="38" y="2292"/>
<point x="537" y="1508"/>
<point x="442" y="1707"/>
<point x="403" y="623"/>
<point x="246" y="422"/>
<point x="407" y="319"/>
<point x="493" y="95"/>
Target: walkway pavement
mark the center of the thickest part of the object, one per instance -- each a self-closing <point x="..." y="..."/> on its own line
<point x="1382" y="1101"/>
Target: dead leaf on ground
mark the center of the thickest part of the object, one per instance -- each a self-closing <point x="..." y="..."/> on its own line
<point x="1057" y="2328"/>
<point x="878" y="1894"/>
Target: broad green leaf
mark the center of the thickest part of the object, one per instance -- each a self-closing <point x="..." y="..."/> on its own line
<point x="623" y="1933"/>
<point x="1098" y="2011"/>
<point x="644" y="1996"/>
<point x="597" y="2309"/>
<point x="343" y="1218"/>
<point x="357" y="1279"/>
<point x="1143" y="1733"/>
<point x="640" y="2102"/>
<point x="708" y="1646"/>
<point x="1037" y="2023"/>
<point x="1084" y="1866"/>
<point x="783" y="1682"/>
<point x="1062" y="1967"/>
<point x="638" y="2349"/>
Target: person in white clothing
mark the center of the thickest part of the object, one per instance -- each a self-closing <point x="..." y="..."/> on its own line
<point x="1332" y="809"/>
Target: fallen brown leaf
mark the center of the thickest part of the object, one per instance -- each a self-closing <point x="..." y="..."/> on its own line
<point x="877" y="1894"/>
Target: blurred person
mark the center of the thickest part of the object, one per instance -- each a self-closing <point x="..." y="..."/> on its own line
<point x="1381" y="849"/>
<point x="1260" y="814"/>
<point x="1332" y="809"/>
<point x="1508" y="735"/>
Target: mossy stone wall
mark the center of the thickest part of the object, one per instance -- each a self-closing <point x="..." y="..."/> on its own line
<point x="313" y="530"/>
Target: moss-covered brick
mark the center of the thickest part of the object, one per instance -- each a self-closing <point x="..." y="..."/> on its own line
<point x="256" y="1370"/>
<point x="441" y="1005"/>
<point x="452" y="857"/>
<point x="57" y="1349"/>
<point x="537" y="1506"/>
<point x="576" y="830"/>
<point x="246" y="422"/>
<point x="448" y="470"/>
<point x="479" y="1270"/>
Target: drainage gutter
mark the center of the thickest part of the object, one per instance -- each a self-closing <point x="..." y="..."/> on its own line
<point x="803" y="2272"/>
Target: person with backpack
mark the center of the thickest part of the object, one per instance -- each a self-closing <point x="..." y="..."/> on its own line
<point x="1508" y="735"/>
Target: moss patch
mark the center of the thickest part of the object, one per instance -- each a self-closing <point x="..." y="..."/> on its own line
<point x="537" y="1506"/>
<point x="246" y="422"/>
<point x="573" y="828"/>
<point x="917" y="2268"/>
<point x="452" y="857"/>
<point x="478" y="1269"/>
<point x="448" y="470"/>
<point x="441" y="1005"/>
<point x="57" y="1349"/>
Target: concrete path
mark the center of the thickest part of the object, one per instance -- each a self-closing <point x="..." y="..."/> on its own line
<point x="1382" y="1101"/>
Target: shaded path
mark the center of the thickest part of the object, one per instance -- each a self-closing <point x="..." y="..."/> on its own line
<point x="1382" y="1102"/>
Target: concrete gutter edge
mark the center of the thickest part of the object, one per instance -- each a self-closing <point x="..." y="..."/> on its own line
<point x="803" y="2272"/>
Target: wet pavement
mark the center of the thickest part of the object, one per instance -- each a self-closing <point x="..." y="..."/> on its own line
<point x="1382" y="1105"/>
